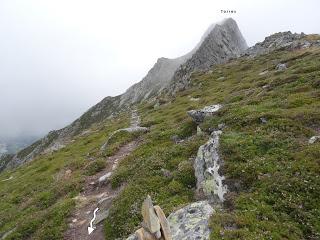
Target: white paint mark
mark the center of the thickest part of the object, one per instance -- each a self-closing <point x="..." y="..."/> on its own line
<point x="91" y="228"/>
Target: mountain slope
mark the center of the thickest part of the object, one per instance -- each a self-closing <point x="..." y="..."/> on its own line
<point x="271" y="169"/>
<point x="220" y="42"/>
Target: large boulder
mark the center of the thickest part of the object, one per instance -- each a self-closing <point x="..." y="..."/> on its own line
<point x="191" y="222"/>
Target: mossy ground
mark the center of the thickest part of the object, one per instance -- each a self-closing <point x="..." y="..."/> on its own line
<point x="271" y="170"/>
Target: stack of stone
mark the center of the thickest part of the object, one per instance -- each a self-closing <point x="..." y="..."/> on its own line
<point x="155" y="224"/>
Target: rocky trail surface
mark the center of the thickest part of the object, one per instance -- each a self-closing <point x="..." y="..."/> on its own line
<point x="98" y="193"/>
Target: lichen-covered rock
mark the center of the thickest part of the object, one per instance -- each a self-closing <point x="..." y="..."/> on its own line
<point x="207" y="165"/>
<point x="199" y="115"/>
<point x="191" y="222"/>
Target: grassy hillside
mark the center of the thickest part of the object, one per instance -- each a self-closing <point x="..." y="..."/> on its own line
<point x="271" y="170"/>
<point x="38" y="199"/>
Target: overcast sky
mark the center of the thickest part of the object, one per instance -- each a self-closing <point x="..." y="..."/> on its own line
<point x="59" y="57"/>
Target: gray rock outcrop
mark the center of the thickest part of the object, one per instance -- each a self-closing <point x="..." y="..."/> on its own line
<point x="280" y="40"/>
<point x="199" y="115"/>
<point x="221" y="42"/>
<point x="210" y="181"/>
<point x="190" y="222"/>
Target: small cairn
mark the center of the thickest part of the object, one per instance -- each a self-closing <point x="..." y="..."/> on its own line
<point x="155" y="224"/>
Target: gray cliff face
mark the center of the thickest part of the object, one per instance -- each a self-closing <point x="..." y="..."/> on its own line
<point x="221" y="42"/>
<point x="157" y="78"/>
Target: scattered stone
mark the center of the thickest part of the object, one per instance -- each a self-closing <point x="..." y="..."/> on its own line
<point x="175" y="139"/>
<point x="165" y="226"/>
<point x="314" y="139"/>
<point x="263" y="73"/>
<point x="155" y="224"/>
<point x="92" y="183"/>
<point x="194" y="99"/>
<point x="263" y="120"/>
<point x="199" y="115"/>
<point x="281" y="67"/>
<point x="199" y="131"/>
<point x="166" y="173"/>
<point x="67" y="174"/>
<point x="207" y="165"/>
<point x="150" y="219"/>
<point x="221" y="126"/>
<point x="74" y="220"/>
<point x="221" y="78"/>
<point x="105" y="178"/>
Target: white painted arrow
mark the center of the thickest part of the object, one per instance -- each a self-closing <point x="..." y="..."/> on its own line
<point x="91" y="228"/>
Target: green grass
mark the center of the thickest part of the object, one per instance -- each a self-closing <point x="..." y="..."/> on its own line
<point x="271" y="170"/>
<point x="38" y="200"/>
<point x="118" y="140"/>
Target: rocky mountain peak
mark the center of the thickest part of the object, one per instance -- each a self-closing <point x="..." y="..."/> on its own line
<point x="221" y="42"/>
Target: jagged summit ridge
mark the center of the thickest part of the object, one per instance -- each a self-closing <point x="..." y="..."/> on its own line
<point x="222" y="42"/>
<point x="156" y="79"/>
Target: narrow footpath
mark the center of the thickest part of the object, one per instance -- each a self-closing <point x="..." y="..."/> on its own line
<point x="98" y="194"/>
